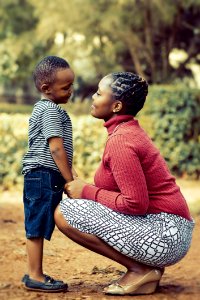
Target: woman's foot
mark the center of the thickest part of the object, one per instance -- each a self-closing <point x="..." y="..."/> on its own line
<point x="135" y="283"/>
<point x="129" y="277"/>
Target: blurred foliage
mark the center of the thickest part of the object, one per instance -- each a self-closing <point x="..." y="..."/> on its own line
<point x="195" y="207"/>
<point x="13" y="145"/>
<point x="78" y="108"/>
<point x="9" y="108"/>
<point x="175" y="127"/>
<point x="14" y="20"/>
<point x="16" y="25"/>
<point x="123" y="34"/>
<point x="99" y="36"/>
<point x="170" y="117"/>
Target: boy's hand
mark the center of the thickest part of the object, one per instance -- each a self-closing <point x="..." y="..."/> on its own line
<point x="74" y="188"/>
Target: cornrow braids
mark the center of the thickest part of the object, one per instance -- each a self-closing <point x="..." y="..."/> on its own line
<point x="46" y="69"/>
<point x="130" y="89"/>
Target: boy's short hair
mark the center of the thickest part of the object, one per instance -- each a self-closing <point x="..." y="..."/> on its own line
<point x="131" y="89"/>
<point x="46" y="69"/>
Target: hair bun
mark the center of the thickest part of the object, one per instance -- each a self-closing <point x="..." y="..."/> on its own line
<point x="131" y="89"/>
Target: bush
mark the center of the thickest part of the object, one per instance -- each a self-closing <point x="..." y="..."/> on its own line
<point x="171" y="117"/>
<point x="89" y="139"/>
<point x="9" y="108"/>
<point x="175" y="127"/>
<point x="77" y="108"/>
<point x="13" y="144"/>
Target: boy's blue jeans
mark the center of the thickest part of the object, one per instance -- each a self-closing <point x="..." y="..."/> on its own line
<point x="43" y="189"/>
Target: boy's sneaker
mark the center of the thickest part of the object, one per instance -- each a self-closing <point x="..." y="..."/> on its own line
<point x="49" y="285"/>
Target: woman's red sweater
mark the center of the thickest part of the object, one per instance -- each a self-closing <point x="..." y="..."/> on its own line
<point x="133" y="178"/>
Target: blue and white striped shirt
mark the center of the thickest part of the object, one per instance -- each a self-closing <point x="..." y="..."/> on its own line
<point x="47" y="120"/>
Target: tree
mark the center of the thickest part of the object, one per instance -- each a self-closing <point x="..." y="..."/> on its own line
<point x="99" y="36"/>
<point x="15" y="20"/>
<point x="136" y="34"/>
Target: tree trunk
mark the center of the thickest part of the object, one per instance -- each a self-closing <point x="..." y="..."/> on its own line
<point x="133" y="44"/>
<point x="149" y="47"/>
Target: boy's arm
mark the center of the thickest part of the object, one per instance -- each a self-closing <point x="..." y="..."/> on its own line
<point x="59" y="155"/>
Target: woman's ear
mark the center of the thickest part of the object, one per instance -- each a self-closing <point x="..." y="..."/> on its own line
<point x="45" y="88"/>
<point x="117" y="106"/>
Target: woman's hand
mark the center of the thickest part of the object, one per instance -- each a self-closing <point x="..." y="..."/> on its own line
<point x="74" y="188"/>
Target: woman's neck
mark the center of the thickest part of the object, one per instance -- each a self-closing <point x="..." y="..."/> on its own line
<point x="115" y="121"/>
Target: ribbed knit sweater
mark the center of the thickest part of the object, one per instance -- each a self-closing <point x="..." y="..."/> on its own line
<point x="133" y="178"/>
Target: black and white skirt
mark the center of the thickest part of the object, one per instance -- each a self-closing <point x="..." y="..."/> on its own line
<point x="158" y="240"/>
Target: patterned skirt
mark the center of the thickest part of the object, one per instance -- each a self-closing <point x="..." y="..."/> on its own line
<point x="157" y="240"/>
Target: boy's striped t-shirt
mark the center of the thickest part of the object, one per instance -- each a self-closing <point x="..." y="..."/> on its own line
<point x="47" y="120"/>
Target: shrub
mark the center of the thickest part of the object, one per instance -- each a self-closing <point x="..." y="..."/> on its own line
<point x="15" y="108"/>
<point x="175" y="127"/>
<point x="13" y="144"/>
<point x="171" y="117"/>
<point x="89" y="138"/>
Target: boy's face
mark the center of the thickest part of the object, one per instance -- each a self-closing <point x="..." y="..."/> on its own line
<point x="61" y="89"/>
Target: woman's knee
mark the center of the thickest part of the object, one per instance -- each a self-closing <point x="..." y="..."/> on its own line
<point x="63" y="225"/>
<point x="60" y="221"/>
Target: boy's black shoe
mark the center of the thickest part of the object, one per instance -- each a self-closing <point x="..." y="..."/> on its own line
<point x="49" y="285"/>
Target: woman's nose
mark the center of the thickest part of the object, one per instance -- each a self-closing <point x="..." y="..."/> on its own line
<point x="94" y="96"/>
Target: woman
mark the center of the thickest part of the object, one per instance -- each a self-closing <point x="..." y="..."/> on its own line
<point x="135" y="213"/>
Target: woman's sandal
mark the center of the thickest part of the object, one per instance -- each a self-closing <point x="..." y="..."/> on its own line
<point x="49" y="285"/>
<point x="146" y="285"/>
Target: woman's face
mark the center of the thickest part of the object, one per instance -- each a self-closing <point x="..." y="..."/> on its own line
<point x="103" y="104"/>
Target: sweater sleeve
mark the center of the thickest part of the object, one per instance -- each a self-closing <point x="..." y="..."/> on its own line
<point x="129" y="177"/>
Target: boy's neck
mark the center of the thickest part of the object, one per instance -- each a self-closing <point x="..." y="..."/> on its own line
<point x="43" y="96"/>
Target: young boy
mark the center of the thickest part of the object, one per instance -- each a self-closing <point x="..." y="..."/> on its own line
<point x="47" y="165"/>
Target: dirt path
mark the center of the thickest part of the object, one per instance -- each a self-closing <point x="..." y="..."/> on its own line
<point x="85" y="272"/>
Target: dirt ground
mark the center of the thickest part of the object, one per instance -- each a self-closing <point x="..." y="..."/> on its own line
<point x="85" y="272"/>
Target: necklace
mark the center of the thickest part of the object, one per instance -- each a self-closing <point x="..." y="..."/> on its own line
<point x="115" y="129"/>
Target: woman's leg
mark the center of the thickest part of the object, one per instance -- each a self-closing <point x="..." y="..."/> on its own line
<point x="135" y="270"/>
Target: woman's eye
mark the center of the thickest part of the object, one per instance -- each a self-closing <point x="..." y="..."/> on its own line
<point x="98" y="94"/>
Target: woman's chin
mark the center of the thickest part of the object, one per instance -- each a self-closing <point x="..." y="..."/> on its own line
<point x="92" y="112"/>
<point x="93" y="115"/>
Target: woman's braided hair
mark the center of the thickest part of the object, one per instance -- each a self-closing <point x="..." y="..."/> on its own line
<point x="130" y="89"/>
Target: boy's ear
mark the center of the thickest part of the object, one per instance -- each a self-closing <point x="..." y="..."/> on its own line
<point x="45" y="88"/>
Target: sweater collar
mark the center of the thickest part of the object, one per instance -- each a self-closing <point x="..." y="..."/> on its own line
<point x="115" y="121"/>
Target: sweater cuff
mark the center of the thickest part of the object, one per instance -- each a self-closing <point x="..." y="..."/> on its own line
<point x="89" y="192"/>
